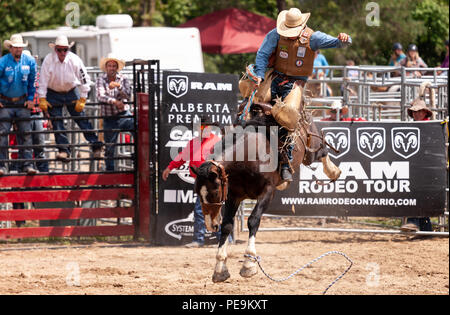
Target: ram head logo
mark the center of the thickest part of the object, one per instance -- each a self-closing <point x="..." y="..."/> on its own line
<point x="405" y="141"/>
<point x="339" y="138"/>
<point x="177" y="85"/>
<point x="371" y="141"/>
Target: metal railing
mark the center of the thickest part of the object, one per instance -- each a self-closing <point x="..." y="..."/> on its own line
<point x="380" y="92"/>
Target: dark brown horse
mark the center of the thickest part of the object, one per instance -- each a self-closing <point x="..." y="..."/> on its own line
<point x="247" y="169"/>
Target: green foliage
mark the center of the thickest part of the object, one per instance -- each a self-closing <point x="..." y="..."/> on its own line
<point x="425" y="23"/>
<point x="435" y="19"/>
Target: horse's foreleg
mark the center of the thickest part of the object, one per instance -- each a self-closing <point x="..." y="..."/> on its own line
<point x="249" y="267"/>
<point x="221" y="271"/>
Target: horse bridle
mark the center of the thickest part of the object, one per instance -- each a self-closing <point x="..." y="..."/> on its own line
<point x="223" y="184"/>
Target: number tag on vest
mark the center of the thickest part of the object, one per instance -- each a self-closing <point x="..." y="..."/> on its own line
<point x="301" y="52"/>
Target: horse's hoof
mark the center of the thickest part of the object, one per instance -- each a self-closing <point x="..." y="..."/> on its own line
<point x="248" y="272"/>
<point x="220" y="277"/>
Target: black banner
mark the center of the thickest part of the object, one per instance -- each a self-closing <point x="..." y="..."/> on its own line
<point x="388" y="169"/>
<point x="186" y="98"/>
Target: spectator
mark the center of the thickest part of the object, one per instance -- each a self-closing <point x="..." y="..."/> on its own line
<point x="419" y="112"/>
<point x="444" y="63"/>
<point x="343" y="111"/>
<point x="38" y="125"/>
<point x="195" y="158"/>
<point x="320" y="60"/>
<point x="413" y="60"/>
<point x="17" y="77"/>
<point x="397" y="55"/>
<point x="293" y="45"/>
<point x="62" y="72"/>
<point x="352" y="74"/>
<point x="113" y="91"/>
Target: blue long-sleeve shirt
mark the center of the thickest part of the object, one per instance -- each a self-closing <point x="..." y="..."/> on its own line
<point x="17" y="78"/>
<point x="318" y="40"/>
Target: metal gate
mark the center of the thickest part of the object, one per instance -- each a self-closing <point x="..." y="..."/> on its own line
<point x="96" y="202"/>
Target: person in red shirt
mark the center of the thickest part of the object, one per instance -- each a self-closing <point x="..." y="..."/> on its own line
<point x="196" y="152"/>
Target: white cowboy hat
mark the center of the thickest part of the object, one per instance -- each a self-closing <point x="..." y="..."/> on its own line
<point x="111" y="57"/>
<point x="61" y="40"/>
<point x="291" y="22"/>
<point x="16" y="40"/>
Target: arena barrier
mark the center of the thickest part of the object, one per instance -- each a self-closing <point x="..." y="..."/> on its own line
<point x="80" y="198"/>
<point x="378" y="93"/>
<point x="133" y="201"/>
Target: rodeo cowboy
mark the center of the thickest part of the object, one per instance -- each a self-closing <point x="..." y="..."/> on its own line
<point x="290" y="50"/>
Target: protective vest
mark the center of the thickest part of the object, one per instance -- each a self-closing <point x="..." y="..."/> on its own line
<point x="295" y="57"/>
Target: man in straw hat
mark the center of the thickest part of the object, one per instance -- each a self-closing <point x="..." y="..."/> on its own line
<point x="65" y="81"/>
<point x="113" y="91"/>
<point x="17" y="78"/>
<point x="290" y="49"/>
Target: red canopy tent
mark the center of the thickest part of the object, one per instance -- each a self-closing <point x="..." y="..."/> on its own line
<point x="231" y="31"/>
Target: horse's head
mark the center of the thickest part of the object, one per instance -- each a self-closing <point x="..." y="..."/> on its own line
<point x="211" y="186"/>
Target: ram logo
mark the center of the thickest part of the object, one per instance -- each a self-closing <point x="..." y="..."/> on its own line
<point x="177" y="85"/>
<point x="338" y="138"/>
<point x="371" y="141"/>
<point x="405" y="141"/>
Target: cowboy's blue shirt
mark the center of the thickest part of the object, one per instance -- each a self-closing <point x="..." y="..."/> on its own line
<point x="17" y="78"/>
<point x="318" y="40"/>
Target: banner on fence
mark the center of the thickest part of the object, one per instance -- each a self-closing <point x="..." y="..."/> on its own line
<point x="187" y="97"/>
<point x="388" y="169"/>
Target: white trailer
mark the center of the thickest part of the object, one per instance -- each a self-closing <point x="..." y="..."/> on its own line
<point x="176" y="48"/>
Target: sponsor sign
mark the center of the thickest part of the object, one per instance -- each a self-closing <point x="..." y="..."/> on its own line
<point x="388" y="169"/>
<point x="186" y="98"/>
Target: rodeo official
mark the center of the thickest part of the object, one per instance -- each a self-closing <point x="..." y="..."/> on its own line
<point x="289" y="49"/>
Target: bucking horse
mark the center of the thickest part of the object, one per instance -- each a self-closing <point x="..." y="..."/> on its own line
<point x="223" y="183"/>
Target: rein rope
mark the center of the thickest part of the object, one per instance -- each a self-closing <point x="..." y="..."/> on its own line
<point x="257" y="259"/>
<point x="250" y="73"/>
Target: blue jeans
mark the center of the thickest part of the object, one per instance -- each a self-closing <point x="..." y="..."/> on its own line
<point x="57" y="101"/>
<point x="39" y="139"/>
<point x="22" y="126"/>
<point x="109" y="123"/>
<point x="199" y="223"/>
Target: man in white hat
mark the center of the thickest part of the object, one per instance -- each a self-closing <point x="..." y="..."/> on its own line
<point x="113" y="92"/>
<point x="65" y="81"/>
<point x="291" y="49"/>
<point x="17" y="78"/>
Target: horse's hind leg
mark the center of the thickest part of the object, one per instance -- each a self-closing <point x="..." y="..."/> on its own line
<point x="221" y="271"/>
<point x="249" y="268"/>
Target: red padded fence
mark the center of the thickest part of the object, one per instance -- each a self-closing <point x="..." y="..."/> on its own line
<point x="66" y="188"/>
<point x="133" y="185"/>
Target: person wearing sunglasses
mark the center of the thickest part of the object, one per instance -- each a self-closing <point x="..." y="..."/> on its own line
<point x="64" y="81"/>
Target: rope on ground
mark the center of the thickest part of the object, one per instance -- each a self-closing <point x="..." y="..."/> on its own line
<point x="258" y="260"/>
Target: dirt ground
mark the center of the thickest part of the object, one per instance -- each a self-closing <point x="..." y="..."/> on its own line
<point x="382" y="264"/>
